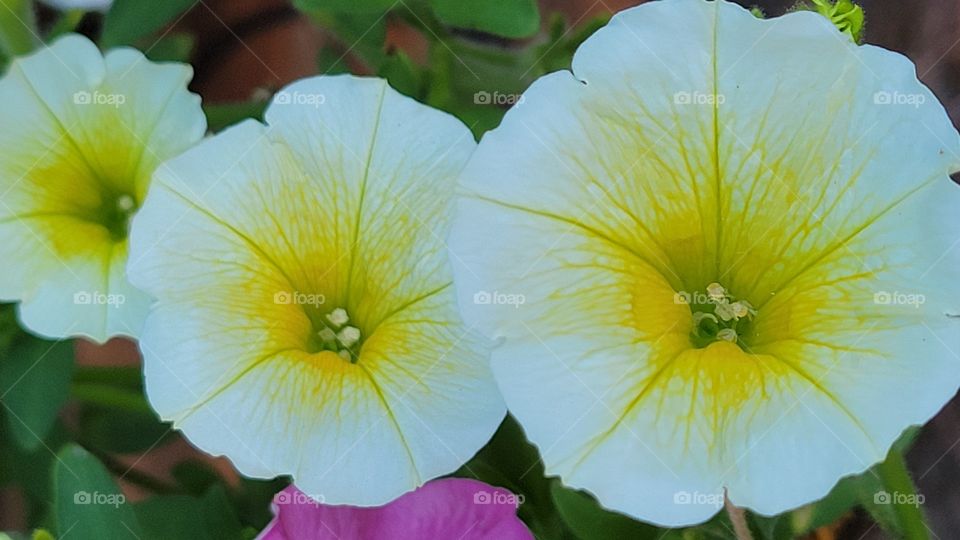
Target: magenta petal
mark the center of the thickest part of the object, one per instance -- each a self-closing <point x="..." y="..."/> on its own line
<point x="448" y="508"/>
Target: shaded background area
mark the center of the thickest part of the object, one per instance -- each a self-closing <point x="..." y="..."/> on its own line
<point x="245" y="45"/>
<point x="244" y="50"/>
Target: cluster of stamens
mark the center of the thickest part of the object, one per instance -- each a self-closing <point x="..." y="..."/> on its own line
<point x="720" y="317"/>
<point x="340" y="337"/>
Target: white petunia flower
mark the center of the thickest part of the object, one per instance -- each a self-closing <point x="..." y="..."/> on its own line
<point x="80" y="136"/>
<point x="306" y="321"/>
<point x="694" y="144"/>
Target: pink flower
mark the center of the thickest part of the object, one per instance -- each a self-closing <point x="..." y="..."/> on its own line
<point x="446" y="508"/>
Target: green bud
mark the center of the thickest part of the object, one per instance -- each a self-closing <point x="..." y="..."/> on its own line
<point x="847" y="16"/>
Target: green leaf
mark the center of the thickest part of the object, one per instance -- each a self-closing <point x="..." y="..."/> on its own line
<point x="155" y="514"/>
<point x="440" y="84"/>
<point x="843" y="498"/>
<point x="129" y="20"/>
<point x="507" y="18"/>
<point x="361" y="35"/>
<point x="254" y="498"/>
<point x="589" y="521"/>
<point x="171" y="48"/>
<point x="9" y="327"/>
<point x="88" y="504"/>
<point x="907" y="438"/>
<point x="195" y="476"/>
<point x="220" y="517"/>
<point x="122" y="431"/>
<point x="18" y="27"/>
<point x="23" y="468"/>
<point x="480" y="470"/>
<point x="345" y="6"/>
<point x="197" y="518"/>
<point x="772" y="528"/>
<point x="402" y="74"/>
<point x="66" y="22"/>
<point x="115" y="417"/>
<point x="111" y="396"/>
<point x="120" y="376"/>
<point x="332" y="62"/>
<point x="34" y="383"/>
<point x="512" y="462"/>
<point x="360" y="26"/>
<point x="442" y="92"/>
<point x="222" y="115"/>
<point x="896" y="505"/>
<point x="866" y="490"/>
<point x="557" y="53"/>
<point x="868" y="487"/>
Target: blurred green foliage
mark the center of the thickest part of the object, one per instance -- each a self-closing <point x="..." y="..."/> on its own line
<point x="18" y="33"/>
<point x="130" y="20"/>
<point x="507" y="18"/>
<point x="34" y="381"/>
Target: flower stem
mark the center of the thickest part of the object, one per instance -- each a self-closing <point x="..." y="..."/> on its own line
<point x="738" y="518"/>
<point x="896" y="480"/>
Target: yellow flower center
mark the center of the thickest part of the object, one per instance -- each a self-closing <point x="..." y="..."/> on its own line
<point x="115" y="213"/>
<point x="334" y="333"/>
<point x="717" y="315"/>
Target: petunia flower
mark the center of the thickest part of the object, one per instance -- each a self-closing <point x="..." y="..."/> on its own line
<point x="699" y="157"/>
<point x="306" y="321"/>
<point x="455" y="508"/>
<point x="80" y="136"/>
